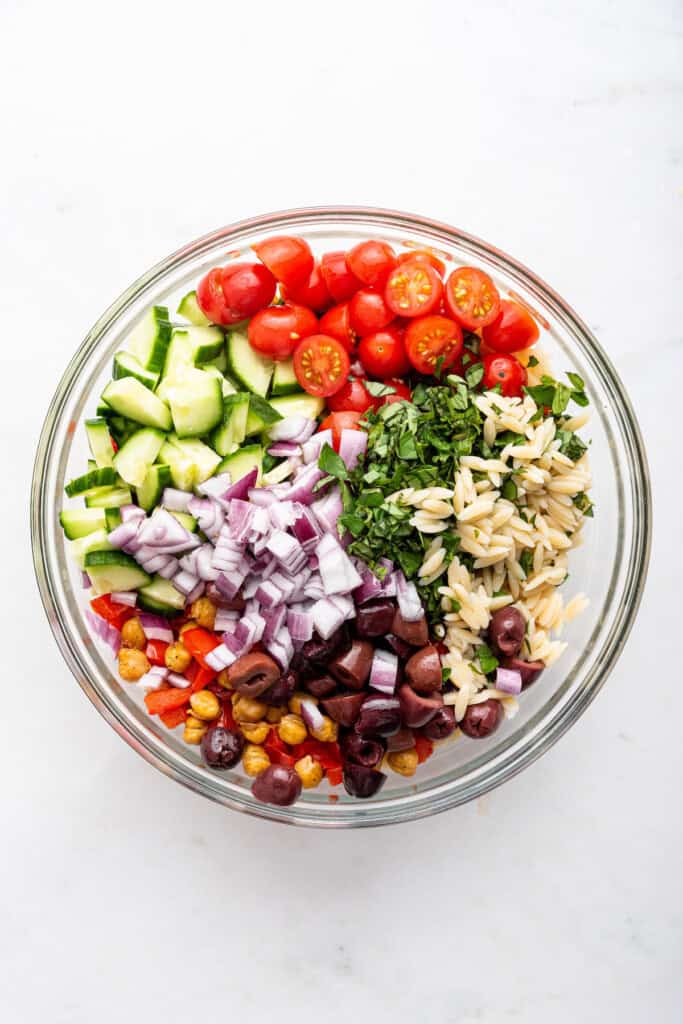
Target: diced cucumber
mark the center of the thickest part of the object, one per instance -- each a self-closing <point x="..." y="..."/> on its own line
<point x="261" y="415"/>
<point x="104" y="411"/>
<point x="192" y="345"/>
<point x="108" y="497"/>
<point x="91" y="481"/>
<point x="229" y="436"/>
<point x="190" y="461"/>
<point x="284" y="379"/>
<point x="114" y="570"/>
<point x="207" y="343"/>
<point x="96" y="541"/>
<point x="219" y="363"/>
<point x="183" y="469"/>
<point x="80" y="522"/>
<point x="186" y="520"/>
<point x="196" y="402"/>
<point x="247" y="366"/>
<point x="128" y="397"/>
<point x="189" y="308"/>
<point x="92" y="465"/>
<point x="179" y="358"/>
<point x="161" y="596"/>
<point x="126" y="365"/>
<point x="242" y="462"/>
<point x="133" y="459"/>
<point x="150" y="490"/>
<point x="299" y="405"/>
<point x="149" y="341"/>
<point x="99" y="439"/>
<point x="112" y="518"/>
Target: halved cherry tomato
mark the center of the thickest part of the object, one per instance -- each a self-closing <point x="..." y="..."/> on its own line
<point x="383" y="353"/>
<point x="401" y="392"/>
<point x="368" y="312"/>
<point x="313" y="293"/>
<point x="472" y="298"/>
<point x="430" y="338"/>
<point x="353" y="397"/>
<point x="423" y="256"/>
<point x="115" y="614"/>
<point x="341" y="283"/>
<point x="321" y="365"/>
<point x="155" y="651"/>
<point x="337" y="323"/>
<point x="339" y="421"/>
<point x="211" y="300"/>
<point x="277" y="330"/>
<point x="247" y="287"/>
<point x="289" y="259"/>
<point x="413" y="289"/>
<point x="506" y="371"/>
<point x="371" y="262"/>
<point x="514" y="329"/>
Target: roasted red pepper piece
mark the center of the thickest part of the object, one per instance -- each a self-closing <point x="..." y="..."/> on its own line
<point x="200" y="642"/>
<point x="424" y="748"/>
<point x="115" y="614"/>
<point x="155" y="651"/>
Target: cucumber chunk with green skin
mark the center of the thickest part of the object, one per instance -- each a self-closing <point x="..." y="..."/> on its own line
<point x="99" y="439"/>
<point x="261" y="415"/>
<point x="229" y="435"/>
<point x="284" y="379"/>
<point x="112" y="518"/>
<point x="96" y="541"/>
<point x="190" y="346"/>
<point x="190" y="461"/>
<point x="150" y="490"/>
<point x="242" y="462"/>
<point x="81" y="522"/>
<point x="159" y="595"/>
<point x="91" y="481"/>
<point x="207" y="343"/>
<point x="114" y="570"/>
<point x="246" y="366"/>
<point x="196" y="403"/>
<point x="219" y="363"/>
<point x="109" y="497"/>
<point x="189" y="308"/>
<point x="133" y="459"/>
<point x="150" y="339"/>
<point x="126" y="365"/>
<point x="186" y="520"/>
<point x="129" y="398"/>
<point x="309" y="406"/>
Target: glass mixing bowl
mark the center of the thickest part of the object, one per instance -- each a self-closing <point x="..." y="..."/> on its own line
<point x="610" y="567"/>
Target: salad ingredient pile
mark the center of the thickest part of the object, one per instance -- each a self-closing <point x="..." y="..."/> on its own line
<point x="328" y="512"/>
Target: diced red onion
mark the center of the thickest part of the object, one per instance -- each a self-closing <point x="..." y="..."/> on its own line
<point x="313" y="588"/>
<point x="205" y="569"/>
<point x="175" y="500"/>
<point x="345" y="605"/>
<point x="162" y="530"/>
<point x="250" y="586"/>
<point x="335" y="566"/>
<point x="408" y="598"/>
<point x="275" y="619"/>
<point x="268" y="594"/>
<point x="196" y="592"/>
<point x="215" y="486"/>
<point x="240" y="489"/>
<point x="219" y="658"/>
<point x="225" y="619"/>
<point x="86" y="582"/>
<point x="104" y="630"/>
<point x="300" y="625"/>
<point x="240" y="518"/>
<point x="311" y="714"/>
<point x="327" y="618"/>
<point x="306" y="529"/>
<point x="177" y="680"/>
<point x="122" y="534"/>
<point x="292" y="428"/>
<point x="328" y="509"/>
<point x="287" y="550"/>
<point x="156" y="675"/>
<point x="283" y="449"/>
<point x="311" y="449"/>
<point x="185" y="582"/>
<point x="233" y="643"/>
<point x="508" y="680"/>
<point x="281" y="649"/>
<point x="131" y="513"/>
<point x="301" y="489"/>
<point x="128" y="597"/>
<point x="384" y="671"/>
<point x="370" y="587"/>
<point x="260" y="523"/>
<point x="169" y="570"/>
<point x="285" y="584"/>
<point x="282" y="515"/>
<point x="262" y="496"/>
<point x="353" y="444"/>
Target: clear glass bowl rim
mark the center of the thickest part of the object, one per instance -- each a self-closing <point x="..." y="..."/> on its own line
<point x="492" y="772"/>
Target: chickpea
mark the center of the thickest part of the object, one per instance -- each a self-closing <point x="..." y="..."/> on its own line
<point x="190" y="624"/>
<point x="194" y="730"/>
<point x="403" y="762"/>
<point x="246" y="709"/>
<point x="133" y="635"/>
<point x="328" y="731"/>
<point x="295" y="701"/>
<point x="205" y="705"/>
<point x="223" y="679"/>
<point x="309" y="771"/>
<point x="292" y="730"/>
<point x="255" y="732"/>
<point x="204" y="612"/>
<point x="275" y="715"/>
<point x="132" y="664"/>
<point x="254" y="759"/>
<point x="176" y="657"/>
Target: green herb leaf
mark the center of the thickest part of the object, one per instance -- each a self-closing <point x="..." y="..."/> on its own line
<point x="509" y="490"/>
<point x="263" y="409"/>
<point x="584" y="504"/>
<point x="474" y="374"/>
<point x="407" y="449"/>
<point x="332" y="464"/>
<point x="379" y="390"/>
<point x="370" y="499"/>
<point x="571" y="444"/>
<point x="487" y="660"/>
<point x="526" y="560"/>
<point x="445" y="674"/>
<point x="532" y="361"/>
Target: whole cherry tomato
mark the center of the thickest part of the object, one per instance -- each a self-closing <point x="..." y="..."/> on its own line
<point x="371" y="262"/>
<point x="277" y="330"/>
<point x="433" y="338"/>
<point x="289" y="259"/>
<point x="338" y="421"/>
<point x="337" y="323"/>
<point x="313" y="293"/>
<point x="513" y="330"/>
<point x="247" y="287"/>
<point x="341" y="283"/>
<point x="353" y="397"/>
<point x="211" y="300"/>
<point x="413" y="289"/>
<point x="472" y="298"/>
<point x="505" y="371"/>
<point x="321" y="365"/>
<point x="368" y="312"/>
<point x="383" y="353"/>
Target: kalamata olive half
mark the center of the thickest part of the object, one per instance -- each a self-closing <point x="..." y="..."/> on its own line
<point x="344" y="709"/>
<point x="528" y="670"/>
<point x="282" y="689"/>
<point x="482" y="719"/>
<point x="320" y="652"/>
<point x="379" y="716"/>
<point x="398" y="646"/>
<point x="253" y="674"/>
<point x="415" y="633"/>
<point x="321" y="686"/>
<point x="417" y="710"/>
<point x="423" y="670"/>
<point x="277" y="785"/>
<point x="361" y="749"/>
<point x="404" y="739"/>
<point x="353" y="667"/>
<point x="221" y="748"/>
<point x="506" y="630"/>
<point x="362" y="782"/>
<point x="375" y="617"/>
<point x="441" y="725"/>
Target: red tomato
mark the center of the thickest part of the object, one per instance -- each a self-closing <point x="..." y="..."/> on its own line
<point x="277" y="330"/>
<point x="371" y="262"/>
<point x="341" y="283"/>
<point x="506" y="371"/>
<point x="337" y="323"/>
<point x="401" y="392"/>
<point x="211" y="300"/>
<point x="352" y="397"/>
<point x="247" y="287"/>
<point x="339" y="421"/>
<point x="423" y="747"/>
<point x="472" y="298"/>
<point x="289" y="259"/>
<point x="313" y="293"/>
<point x="321" y="365"/>
<point x="114" y="613"/>
<point x="429" y="338"/>
<point x="514" y="329"/>
<point x="383" y="353"/>
<point x="368" y="312"/>
<point x="413" y="289"/>
<point x="423" y="256"/>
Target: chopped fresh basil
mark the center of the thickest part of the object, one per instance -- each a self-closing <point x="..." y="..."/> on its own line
<point x="331" y="463"/>
<point x="487" y="660"/>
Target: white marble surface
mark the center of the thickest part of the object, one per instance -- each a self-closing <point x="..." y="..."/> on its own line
<point x="555" y="131"/>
